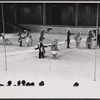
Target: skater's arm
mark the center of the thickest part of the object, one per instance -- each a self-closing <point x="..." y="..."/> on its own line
<point x="45" y="46"/>
<point x="24" y="37"/>
<point x="49" y="45"/>
<point x="36" y="48"/>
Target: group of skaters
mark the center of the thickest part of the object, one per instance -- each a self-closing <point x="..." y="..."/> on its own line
<point x="54" y="43"/>
<point x="28" y="37"/>
<point x="89" y="40"/>
<point x="41" y="46"/>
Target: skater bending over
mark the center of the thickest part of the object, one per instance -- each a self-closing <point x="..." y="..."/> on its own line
<point x="78" y="39"/>
<point x="54" y="48"/>
<point x="41" y="48"/>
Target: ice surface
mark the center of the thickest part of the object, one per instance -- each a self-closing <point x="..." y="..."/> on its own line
<point x="72" y="65"/>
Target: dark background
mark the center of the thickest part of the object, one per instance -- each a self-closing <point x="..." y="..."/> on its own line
<point x="69" y="14"/>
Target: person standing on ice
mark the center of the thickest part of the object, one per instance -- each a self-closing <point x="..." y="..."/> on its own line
<point x="41" y="48"/>
<point x="90" y="39"/>
<point x="20" y="39"/>
<point x="29" y="39"/>
<point x="68" y="38"/>
<point x="1" y="37"/>
<point x="54" y="48"/>
<point x="41" y="38"/>
<point x="78" y="39"/>
<point x="98" y="38"/>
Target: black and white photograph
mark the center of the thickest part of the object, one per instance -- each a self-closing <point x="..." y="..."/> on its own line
<point x="51" y="48"/>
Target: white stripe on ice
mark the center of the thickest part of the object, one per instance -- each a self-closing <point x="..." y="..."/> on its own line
<point x="32" y="49"/>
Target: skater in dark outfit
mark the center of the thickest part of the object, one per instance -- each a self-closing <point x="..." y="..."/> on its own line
<point x="68" y="38"/>
<point x="41" y="48"/>
<point x="98" y="38"/>
<point x="20" y="39"/>
<point x="41" y="38"/>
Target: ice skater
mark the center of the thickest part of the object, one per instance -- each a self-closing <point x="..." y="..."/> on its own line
<point x="20" y="38"/>
<point x="78" y="39"/>
<point x="41" y="48"/>
<point x="90" y="39"/>
<point x="54" y="48"/>
<point x="98" y="38"/>
<point x="4" y="40"/>
<point x="29" y="39"/>
<point x="41" y="38"/>
<point x="1" y="37"/>
<point x="68" y="38"/>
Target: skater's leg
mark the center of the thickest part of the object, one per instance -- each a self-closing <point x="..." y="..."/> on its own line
<point x="68" y="42"/>
<point x="44" y="51"/>
<point x="90" y="46"/>
<point x="39" y="54"/>
<point x="31" y="42"/>
<point x="53" y="56"/>
<point x="27" y="44"/>
<point x="20" y="43"/>
<point x="99" y="45"/>
<point x="42" y="54"/>
<point x="78" y="45"/>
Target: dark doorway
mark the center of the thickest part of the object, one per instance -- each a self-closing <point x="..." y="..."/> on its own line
<point x="56" y="15"/>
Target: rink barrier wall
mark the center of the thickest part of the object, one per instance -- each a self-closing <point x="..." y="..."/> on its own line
<point x="57" y="29"/>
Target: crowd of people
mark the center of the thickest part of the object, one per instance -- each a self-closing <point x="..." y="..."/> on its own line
<point x="23" y="83"/>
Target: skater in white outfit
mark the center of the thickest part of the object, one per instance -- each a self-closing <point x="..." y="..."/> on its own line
<point x="54" y="48"/>
<point x="29" y="39"/>
<point x="78" y="39"/>
<point x="90" y="39"/>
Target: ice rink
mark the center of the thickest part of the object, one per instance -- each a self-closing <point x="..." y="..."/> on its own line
<point x="72" y="65"/>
